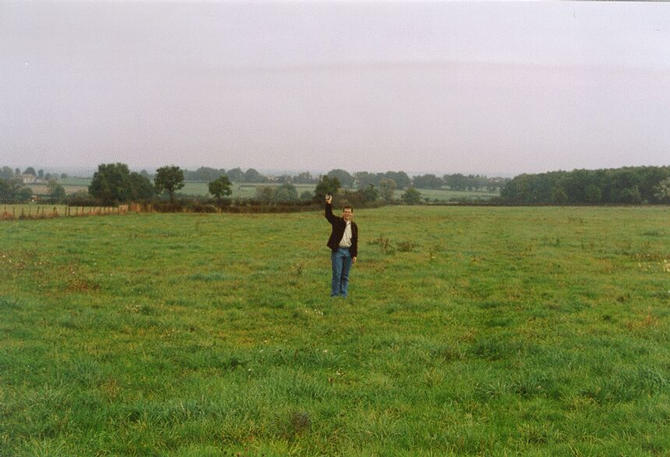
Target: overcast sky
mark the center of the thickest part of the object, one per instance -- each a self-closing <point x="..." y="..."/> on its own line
<point x="477" y="87"/>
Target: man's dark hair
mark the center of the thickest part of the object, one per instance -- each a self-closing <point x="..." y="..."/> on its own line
<point x="348" y="207"/>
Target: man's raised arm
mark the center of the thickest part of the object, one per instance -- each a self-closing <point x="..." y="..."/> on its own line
<point x="329" y="208"/>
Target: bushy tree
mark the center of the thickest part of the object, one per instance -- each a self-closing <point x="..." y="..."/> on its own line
<point x="220" y="187"/>
<point x="631" y="185"/>
<point x="304" y="178"/>
<point x="662" y="190"/>
<point x="343" y="176"/>
<point x="252" y="175"/>
<point x="631" y="195"/>
<point x="370" y="193"/>
<point x="56" y="191"/>
<point x="169" y="179"/>
<point x="286" y="193"/>
<point x="23" y="194"/>
<point x="111" y="183"/>
<point x="411" y="196"/>
<point x="206" y="174"/>
<point x="265" y="193"/>
<point x="400" y="177"/>
<point x="559" y="196"/>
<point x="387" y="188"/>
<point x="428" y="181"/>
<point x="141" y="188"/>
<point x="326" y="185"/>
<point x="592" y="194"/>
<point x="80" y="198"/>
<point x="364" y="179"/>
<point x="13" y="191"/>
<point x="6" y="173"/>
<point x="235" y="175"/>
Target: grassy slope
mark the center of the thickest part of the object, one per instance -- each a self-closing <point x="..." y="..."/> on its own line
<point x="505" y="331"/>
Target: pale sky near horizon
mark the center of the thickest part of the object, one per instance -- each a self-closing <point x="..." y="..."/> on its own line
<point x="470" y="87"/>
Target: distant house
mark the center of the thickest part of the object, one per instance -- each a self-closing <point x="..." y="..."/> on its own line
<point x="28" y="179"/>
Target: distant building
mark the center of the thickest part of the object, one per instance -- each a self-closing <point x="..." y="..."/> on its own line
<point x="28" y="179"/>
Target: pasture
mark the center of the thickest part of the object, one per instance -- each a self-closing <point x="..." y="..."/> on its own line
<point x="468" y="331"/>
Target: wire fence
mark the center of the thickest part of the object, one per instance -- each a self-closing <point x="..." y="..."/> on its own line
<point x="27" y="211"/>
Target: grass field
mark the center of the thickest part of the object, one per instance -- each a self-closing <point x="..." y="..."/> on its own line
<point x="468" y="331"/>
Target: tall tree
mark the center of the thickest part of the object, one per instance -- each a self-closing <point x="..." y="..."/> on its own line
<point x="387" y="189"/>
<point x="364" y="179"/>
<point x="400" y="177"/>
<point x="662" y="191"/>
<point x="326" y="185"/>
<point x="169" y="179"/>
<point x="235" y="175"/>
<point x="13" y="191"/>
<point x="141" y="187"/>
<point x="304" y="178"/>
<point x="286" y="193"/>
<point x="252" y="175"/>
<point x="111" y="183"/>
<point x="428" y="181"/>
<point x="411" y="196"/>
<point x="6" y="173"/>
<point x="56" y="191"/>
<point x="220" y="187"/>
<point x="343" y="176"/>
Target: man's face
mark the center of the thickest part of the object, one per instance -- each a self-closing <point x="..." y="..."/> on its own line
<point x="347" y="214"/>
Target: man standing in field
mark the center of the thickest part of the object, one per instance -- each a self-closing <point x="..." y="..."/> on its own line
<point x="343" y="243"/>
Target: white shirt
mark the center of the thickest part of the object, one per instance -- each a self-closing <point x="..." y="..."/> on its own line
<point x="345" y="242"/>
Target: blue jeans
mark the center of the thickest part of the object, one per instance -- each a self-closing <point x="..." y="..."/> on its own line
<point x="341" y="260"/>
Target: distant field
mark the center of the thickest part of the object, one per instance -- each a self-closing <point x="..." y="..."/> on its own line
<point x="469" y="331"/>
<point x="240" y="190"/>
<point x="450" y="195"/>
<point x="41" y="189"/>
<point x="76" y="182"/>
<point x="248" y="190"/>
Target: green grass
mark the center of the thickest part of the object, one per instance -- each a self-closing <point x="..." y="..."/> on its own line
<point x="472" y="331"/>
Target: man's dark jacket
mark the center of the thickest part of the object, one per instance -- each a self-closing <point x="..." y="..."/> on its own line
<point x="339" y="224"/>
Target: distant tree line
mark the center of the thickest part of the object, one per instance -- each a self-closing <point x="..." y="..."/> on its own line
<point x="207" y="174"/>
<point x="357" y="180"/>
<point x="114" y="183"/>
<point x="8" y="173"/>
<point x="629" y="185"/>
<point x="13" y="188"/>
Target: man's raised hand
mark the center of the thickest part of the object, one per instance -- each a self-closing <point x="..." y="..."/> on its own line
<point x="329" y="198"/>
